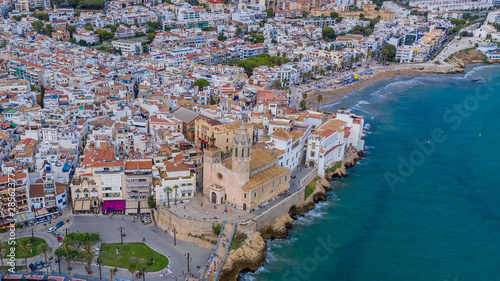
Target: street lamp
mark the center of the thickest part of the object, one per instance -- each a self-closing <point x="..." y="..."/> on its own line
<point x="121" y="233"/>
<point x="144" y="274"/>
<point x="100" y="266"/>
<point x="175" y="241"/>
<point x="59" y="262"/>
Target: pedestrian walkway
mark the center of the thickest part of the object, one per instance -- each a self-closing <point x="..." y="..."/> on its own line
<point x="217" y="259"/>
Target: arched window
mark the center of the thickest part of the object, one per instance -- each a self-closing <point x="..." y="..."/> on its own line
<point x="242" y="152"/>
<point x="236" y="152"/>
<point x="248" y="153"/>
<point x="245" y="195"/>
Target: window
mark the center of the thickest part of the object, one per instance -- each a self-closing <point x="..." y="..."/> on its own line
<point x="280" y="181"/>
<point x="262" y="191"/>
<point x="245" y="195"/>
<point x="242" y="152"/>
<point x="273" y="184"/>
<point x="255" y="194"/>
<point x="286" y="177"/>
<point x="312" y="153"/>
<point x="189" y="194"/>
<point x="236" y="152"/>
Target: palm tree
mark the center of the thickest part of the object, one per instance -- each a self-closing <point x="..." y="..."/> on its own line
<point x="25" y="244"/>
<point x="68" y="246"/>
<point x="176" y="187"/>
<point x="303" y="105"/>
<point x="3" y="249"/>
<point x="111" y="273"/>
<point x="335" y="66"/>
<point x="168" y="190"/>
<point x="319" y="98"/>
<point x="132" y="268"/>
<point x="44" y="249"/>
<point x="304" y="96"/>
<point x="88" y="254"/>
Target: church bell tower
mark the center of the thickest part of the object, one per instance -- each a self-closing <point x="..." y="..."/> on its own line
<point x="241" y="154"/>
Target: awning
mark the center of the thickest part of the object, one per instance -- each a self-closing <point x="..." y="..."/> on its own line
<point x="144" y="205"/>
<point x="78" y="205"/>
<point x="24" y="216"/>
<point x="114" y="205"/>
<point x="86" y="205"/>
<point x="131" y="205"/>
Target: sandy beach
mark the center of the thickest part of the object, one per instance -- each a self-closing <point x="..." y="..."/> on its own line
<point x="335" y="92"/>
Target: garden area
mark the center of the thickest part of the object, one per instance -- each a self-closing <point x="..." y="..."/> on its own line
<point x="310" y="188"/>
<point x="32" y="249"/>
<point x="122" y="255"/>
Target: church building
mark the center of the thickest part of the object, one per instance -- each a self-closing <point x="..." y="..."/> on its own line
<point x="246" y="179"/>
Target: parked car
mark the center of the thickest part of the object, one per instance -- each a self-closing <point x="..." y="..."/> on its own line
<point x="52" y="229"/>
<point x="39" y="264"/>
<point x="54" y="216"/>
<point x="32" y="267"/>
<point x="48" y="218"/>
<point x="56" y="234"/>
<point x="45" y="264"/>
<point x="59" y="224"/>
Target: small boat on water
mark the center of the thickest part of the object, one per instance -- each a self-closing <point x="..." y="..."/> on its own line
<point x="477" y="80"/>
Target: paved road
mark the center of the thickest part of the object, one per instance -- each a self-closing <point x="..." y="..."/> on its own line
<point x="109" y="230"/>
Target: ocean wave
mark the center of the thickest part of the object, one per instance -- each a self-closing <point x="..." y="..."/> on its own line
<point x="363" y="102"/>
<point x="367" y="126"/>
<point x="357" y="108"/>
<point x="468" y="74"/>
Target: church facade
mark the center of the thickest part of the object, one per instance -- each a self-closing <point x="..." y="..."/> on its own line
<point x="246" y="179"/>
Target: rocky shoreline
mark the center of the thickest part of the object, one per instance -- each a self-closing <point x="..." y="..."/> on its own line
<point x="252" y="253"/>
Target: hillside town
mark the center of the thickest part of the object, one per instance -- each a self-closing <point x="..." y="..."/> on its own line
<point x="182" y="116"/>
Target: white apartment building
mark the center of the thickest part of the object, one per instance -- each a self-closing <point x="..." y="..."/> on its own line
<point x="493" y="17"/>
<point x="180" y="178"/>
<point x="328" y="143"/>
<point x="128" y="46"/>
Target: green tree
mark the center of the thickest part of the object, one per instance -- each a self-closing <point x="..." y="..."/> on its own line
<point x="88" y="254"/>
<point x="269" y="12"/>
<point x="238" y="31"/>
<point x="334" y="15"/>
<point x="41" y="16"/>
<point x="217" y="229"/>
<point x="388" y="53"/>
<point x="303" y="105"/>
<point x="37" y="25"/>
<point x="71" y="29"/>
<point x="361" y="16"/>
<point x="221" y="37"/>
<point x="328" y="33"/>
<point x="89" y="27"/>
<point x="25" y="245"/>
<point x="44" y="251"/>
<point x="319" y="98"/>
<point x="304" y="96"/>
<point x="201" y="84"/>
<point x="176" y="188"/>
<point x="168" y="190"/>
<point x="132" y="268"/>
<point x="151" y="37"/>
<point x="68" y="247"/>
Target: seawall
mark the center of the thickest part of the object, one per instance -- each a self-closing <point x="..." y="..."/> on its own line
<point x="252" y="253"/>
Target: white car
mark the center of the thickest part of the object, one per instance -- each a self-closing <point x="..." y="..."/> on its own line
<point x="52" y="229"/>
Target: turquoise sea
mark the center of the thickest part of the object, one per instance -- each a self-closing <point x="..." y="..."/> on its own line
<point x="424" y="202"/>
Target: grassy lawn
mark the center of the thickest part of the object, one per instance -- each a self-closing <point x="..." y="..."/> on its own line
<point x="310" y="188"/>
<point x="33" y="251"/>
<point x="139" y="253"/>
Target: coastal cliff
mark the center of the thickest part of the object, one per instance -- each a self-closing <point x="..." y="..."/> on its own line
<point x="252" y="253"/>
<point x="249" y="256"/>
